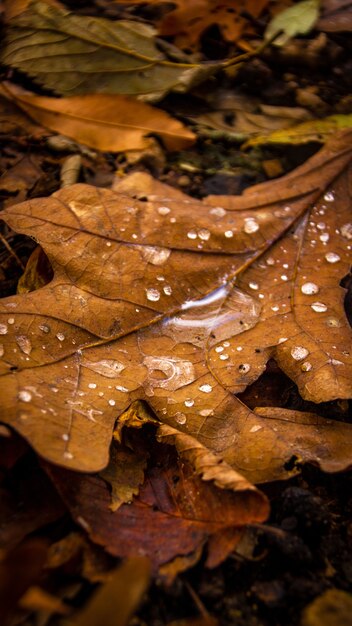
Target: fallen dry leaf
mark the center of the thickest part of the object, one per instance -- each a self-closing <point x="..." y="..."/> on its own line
<point x="189" y="20"/>
<point x="73" y="360"/>
<point x="173" y="502"/>
<point x="104" y="122"/>
<point x="75" y="54"/>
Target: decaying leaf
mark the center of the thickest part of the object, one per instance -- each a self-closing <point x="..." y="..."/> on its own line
<point x="189" y="20"/>
<point x="172" y="329"/>
<point x="318" y="130"/>
<point x="241" y="115"/>
<point x="173" y="502"/>
<point x="298" y="19"/>
<point x="104" y="122"/>
<point x="73" y="54"/>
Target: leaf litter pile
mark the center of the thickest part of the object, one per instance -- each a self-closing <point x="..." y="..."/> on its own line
<point x="175" y="320"/>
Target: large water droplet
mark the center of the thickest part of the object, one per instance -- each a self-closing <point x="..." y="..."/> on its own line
<point x="106" y="367"/>
<point x="154" y="254"/>
<point x="206" y="388"/>
<point x="3" y="329"/>
<point x="152" y="294"/>
<point x="204" y="234"/>
<point x="332" y="257"/>
<point x="180" y="418"/>
<point x="163" y="210"/>
<point x="250" y="225"/>
<point x="310" y="289"/>
<point x="178" y="372"/>
<point x="24" y="395"/>
<point x="218" y="211"/>
<point x="346" y="231"/>
<point x="319" y="307"/>
<point x="299" y="352"/>
<point x="329" y="196"/>
<point x="24" y="344"/>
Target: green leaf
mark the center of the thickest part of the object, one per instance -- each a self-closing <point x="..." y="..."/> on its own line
<point x="296" y="20"/>
<point x="73" y="54"/>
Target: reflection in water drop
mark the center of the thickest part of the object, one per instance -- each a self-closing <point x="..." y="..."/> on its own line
<point x="178" y="372"/>
<point x="106" y="367"/>
<point x="223" y="313"/>
<point x="3" y="329"/>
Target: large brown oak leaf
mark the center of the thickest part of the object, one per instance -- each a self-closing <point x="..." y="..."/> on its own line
<point x="142" y="306"/>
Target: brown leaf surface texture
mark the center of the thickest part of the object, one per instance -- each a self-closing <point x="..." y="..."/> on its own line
<point x="142" y="306"/>
<point x="102" y="121"/>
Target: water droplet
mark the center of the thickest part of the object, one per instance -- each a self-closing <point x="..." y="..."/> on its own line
<point x="154" y="254"/>
<point x="189" y="402"/>
<point x="253" y="285"/>
<point x="218" y="211"/>
<point x="24" y="344"/>
<point x="324" y="237"/>
<point x="204" y="234"/>
<point x="239" y="348"/>
<point x="106" y="367"/>
<point x="255" y="428"/>
<point x="332" y="257"/>
<point x="3" y="329"/>
<point x="306" y="366"/>
<point x="134" y="236"/>
<point x="228" y="234"/>
<point x="121" y="388"/>
<point x="92" y="386"/>
<point x="226" y="344"/>
<point x="250" y="225"/>
<point x="309" y="289"/>
<point x="24" y="395"/>
<point x="152" y="294"/>
<point x="321" y="225"/>
<point x="112" y="402"/>
<point x="11" y="320"/>
<point x="336" y="362"/>
<point x="180" y="418"/>
<point x="329" y="196"/>
<point x="206" y="388"/>
<point x="65" y="437"/>
<point x="163" y="210"/>
<point x="346" y="231"/>
<point x="224" y="357"/>
<point x="109" y="244"/>
<point x="60" y="336"/>
<point x="284" y="277"/>
<point x="319" y="307"/>
<point x="192" y="234"/>
<point x="270" y="261"/>
<point x="68" y="455"/>
<point x="44" y="328"/>
<point x="178" y="372"/>
<point x="219" y="349"/>
<point x="206" y="412"/>
<point x="274" y="308"/>
<point x="167" y="290"/>
<point x="299" y="352"/>
<point x="244" y="368"/>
